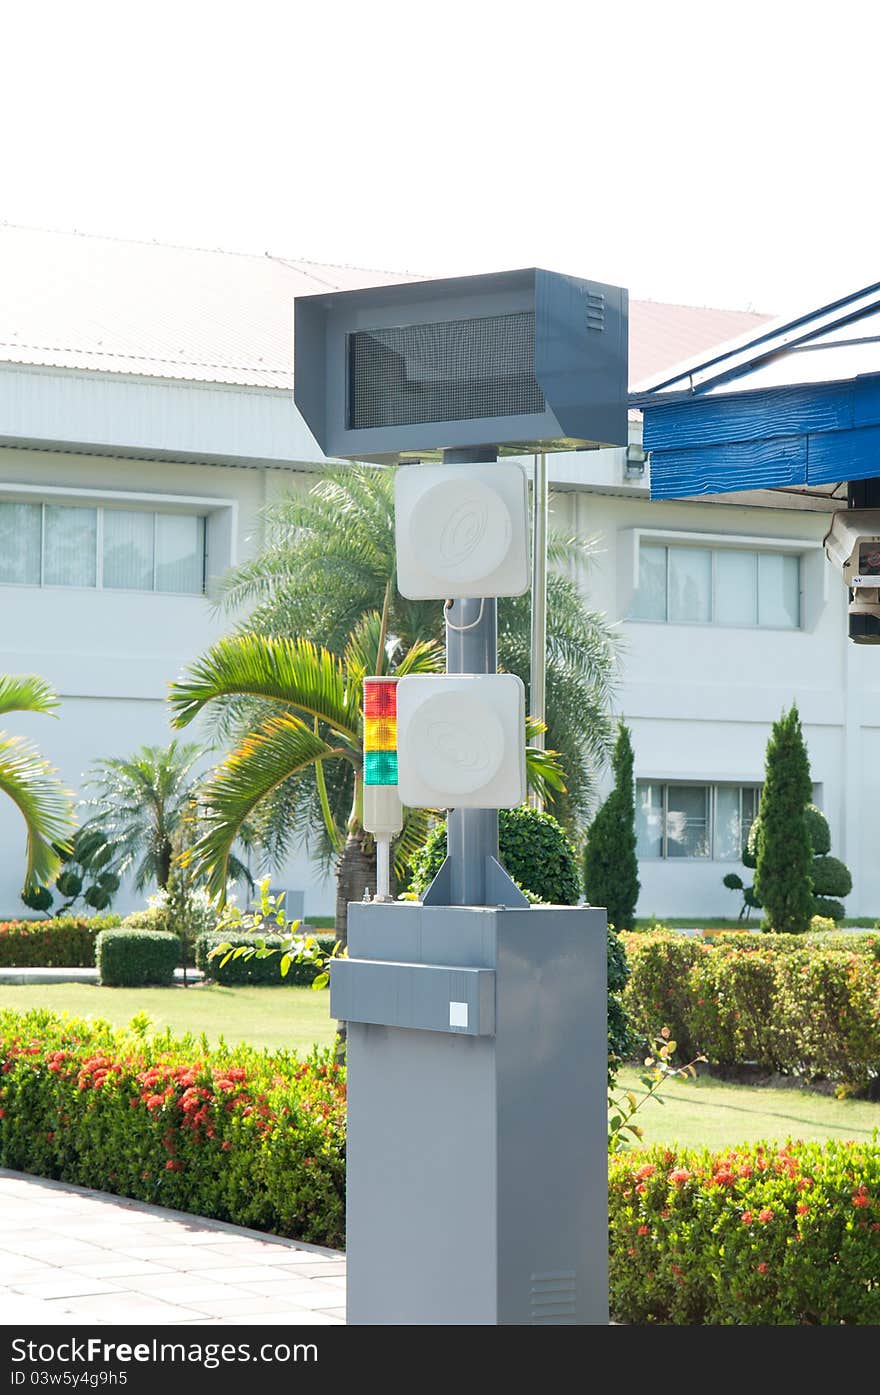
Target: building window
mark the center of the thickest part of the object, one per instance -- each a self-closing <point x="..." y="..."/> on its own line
<point x="717" y="586"/>
<point x="705" y="821"/>
<point x="107" y="548"/>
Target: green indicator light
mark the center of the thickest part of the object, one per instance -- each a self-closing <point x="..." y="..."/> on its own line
<point x="380" y="767"/>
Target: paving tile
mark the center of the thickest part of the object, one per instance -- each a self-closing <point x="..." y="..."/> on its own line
<point x="64" y="1284"/>
<point x="113" y="1268"/>
<point x="334" y="1312"/>
<point x="177" y="1256"/>
<point x="253" y="1303"/>
<point x="128" y="1307"/>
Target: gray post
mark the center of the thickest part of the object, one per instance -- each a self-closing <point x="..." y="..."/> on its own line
<point x="471" y="647"/>
<point x="538" y="658"/>
<point x="472" y="874"/>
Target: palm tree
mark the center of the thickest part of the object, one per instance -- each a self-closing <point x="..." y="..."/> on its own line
<point x="32" y="783"/>
<point x="308" y="719"/>
<point x="146" y="811"/>
<point x="329" y="556"/>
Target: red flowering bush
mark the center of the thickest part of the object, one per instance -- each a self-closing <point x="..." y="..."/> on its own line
<point x="799" y="1009"/>
<point x="252" y="1137"/>
<point x="767" y="1234"/>
<point x="67" y="941"/>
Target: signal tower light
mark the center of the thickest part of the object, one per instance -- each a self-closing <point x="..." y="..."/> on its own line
<point x="383" y="814"/>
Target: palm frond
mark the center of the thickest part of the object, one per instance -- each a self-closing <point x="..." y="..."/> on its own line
<point x="26" y="692"/>
<point x="45" y="805"/>
<point x="293" y="672"/>
<point x="283" y="746"/>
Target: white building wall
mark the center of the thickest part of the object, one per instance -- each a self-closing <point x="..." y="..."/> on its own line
<point x="112" y="654"/>
<point x="701" y="699"/>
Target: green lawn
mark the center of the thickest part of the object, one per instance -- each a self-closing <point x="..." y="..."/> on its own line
<point x="293" y="1018"/>
<point x="714" y="1114"/>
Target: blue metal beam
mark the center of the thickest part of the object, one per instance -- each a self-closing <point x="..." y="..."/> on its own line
<point x="804" y="435"/>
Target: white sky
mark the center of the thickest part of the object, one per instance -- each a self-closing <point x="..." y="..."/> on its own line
<point x="707" y="154"/>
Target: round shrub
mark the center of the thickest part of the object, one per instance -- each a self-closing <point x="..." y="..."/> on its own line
<point x="831" y="877"/>
<point x="533" y="847"/>
<point x="818" y="829"/>
<point x="135" y="958"/>
<point x="827" y="908"/>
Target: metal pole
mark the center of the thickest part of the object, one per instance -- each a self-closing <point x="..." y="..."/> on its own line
<point x="383" y="868"/>
<point x="471" y="647"/>
<point x="538" y="663"/>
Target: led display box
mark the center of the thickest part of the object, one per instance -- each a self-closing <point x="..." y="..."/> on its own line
<point x="519" y="361"/>
<point x="461" y="741"/>
<point x="461" y="530"/>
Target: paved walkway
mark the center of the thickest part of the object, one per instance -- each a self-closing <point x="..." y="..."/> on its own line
<point x="72" y="1256"/>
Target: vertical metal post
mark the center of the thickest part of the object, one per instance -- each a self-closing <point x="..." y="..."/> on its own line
<point x="471" y="647"/>
<point x="383" y="868"/>
<point x="538" y="663"/>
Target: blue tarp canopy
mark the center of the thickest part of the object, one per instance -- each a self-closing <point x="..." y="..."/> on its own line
<point x="796" y="406"/>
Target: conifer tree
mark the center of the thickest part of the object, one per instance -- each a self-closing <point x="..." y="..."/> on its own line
<point x="784" y="852"/>
<point x="611" y="869"/>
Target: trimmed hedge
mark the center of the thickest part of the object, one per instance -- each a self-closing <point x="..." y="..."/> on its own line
<point x="66" y="942"/>
<point x="254" y="970"/>
<point x="791" y="1008"/>
<point x="251" y="1137"/>
<point x="768" y="1234"/>
<point x="135" y="958"/>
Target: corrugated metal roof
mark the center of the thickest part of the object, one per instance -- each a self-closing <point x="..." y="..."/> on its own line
<point x="69" y="300"/>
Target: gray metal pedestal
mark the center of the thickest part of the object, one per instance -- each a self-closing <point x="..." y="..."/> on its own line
<point x="477" y="1118"/>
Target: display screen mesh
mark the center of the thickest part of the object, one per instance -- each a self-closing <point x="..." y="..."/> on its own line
<point x="455" y="370"/>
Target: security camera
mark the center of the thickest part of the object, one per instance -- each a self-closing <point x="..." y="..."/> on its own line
<point x="852" y="543"/>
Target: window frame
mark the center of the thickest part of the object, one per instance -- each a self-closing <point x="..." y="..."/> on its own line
<point x="698" y="545"/>
<point x="101" y="504"/>
<point x="712" y="786"/>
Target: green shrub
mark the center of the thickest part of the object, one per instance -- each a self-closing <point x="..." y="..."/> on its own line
<point x="828" y="908"/>
<point x="254" y="970"/>
<point x="134" y="958"/>
<point x="533" y="847"/>
<point x="766" y="1235"/>
<point x="784" y="852"/>
<point x="787" y="1005"/>
<point x="252" y="1137"/>
<point x="830" y="877"/>
<point x="65" y="942"/>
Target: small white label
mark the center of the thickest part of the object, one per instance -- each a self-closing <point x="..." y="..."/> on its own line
<point x="458" y="1014"/>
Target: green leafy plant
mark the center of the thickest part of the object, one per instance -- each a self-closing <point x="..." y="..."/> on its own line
<point x="624" y="1105"/>
<point x="251" y="941"/>
<point x="83" y="874"/>
<point x="611" y="869"/>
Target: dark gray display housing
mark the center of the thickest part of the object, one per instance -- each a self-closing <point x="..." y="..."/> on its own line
<point x="519" y="361"/>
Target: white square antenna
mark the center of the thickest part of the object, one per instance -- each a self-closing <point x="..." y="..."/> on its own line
<point x="461" y="741"/>
<point x="462" y="530"/>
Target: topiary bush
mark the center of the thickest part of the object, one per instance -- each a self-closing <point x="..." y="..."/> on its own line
<point x="254" y="970"/>
<point x="66" y="942"/>
<point x="763" y="1235"/>
<point x="135" y="958"/>
<point x="610" y="864"/>
<point x="533" y="847"/>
